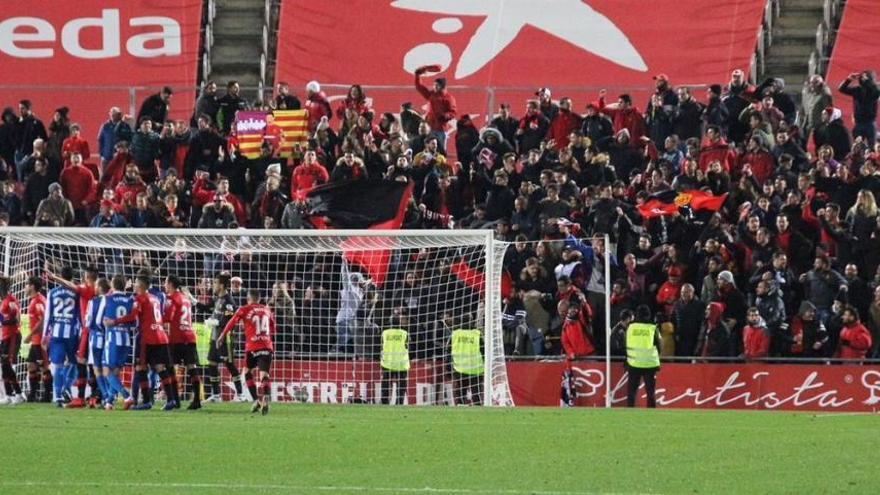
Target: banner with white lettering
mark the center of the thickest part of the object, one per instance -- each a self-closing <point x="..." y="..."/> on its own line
<point x="565" y="45"/>
<point x="95" y="51"/>
<point x="828" y="388"/>
<point x="335" y="382"/>
<point x="709" y="386"/>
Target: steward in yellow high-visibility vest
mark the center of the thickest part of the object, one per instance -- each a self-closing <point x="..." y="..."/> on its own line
<point x="395" y="363"/>
<point x="642" y="356"/>
<point x="467" y="365"/>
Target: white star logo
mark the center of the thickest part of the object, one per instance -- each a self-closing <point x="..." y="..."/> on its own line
<point x="570" y="20"/>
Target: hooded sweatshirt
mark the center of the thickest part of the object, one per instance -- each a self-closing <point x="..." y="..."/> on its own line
<point x="804" y="334"/>
<point x="834" y="134"/>
<point x="756" y="340"/>
<point x="715" y="337"/>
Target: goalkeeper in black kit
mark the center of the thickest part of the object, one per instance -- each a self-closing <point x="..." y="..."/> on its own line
<point x="222" y="307"/>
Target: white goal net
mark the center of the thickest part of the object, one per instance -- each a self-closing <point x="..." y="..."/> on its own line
<point x="333" y="293"/>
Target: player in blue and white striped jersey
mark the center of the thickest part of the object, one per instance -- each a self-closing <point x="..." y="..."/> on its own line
<point x="95" y="353"/>
<point x="118" y="340"/>
<point x="62" y="326"/>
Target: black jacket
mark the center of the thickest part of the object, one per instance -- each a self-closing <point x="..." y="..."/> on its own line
<point x="499" y="203"/>
<point x="213" y="219"/>
<point x="206" y="105"/>
<point x="287" y="102"/>
<point x="36" y="188"/>
<point x="688" y="119"/>
<point x="836" y="135"/>
<point x="26" y="132"/>
<point x="507" y="127"/>
<point x="155" y="109"/>
<point x="203" y="150"/>
<point x="864" y="97"/>
<point x="229" y="104"/>
<point x="687" y="318"/>
<point x="7" y="136"/>
<point x="597" y="127"/>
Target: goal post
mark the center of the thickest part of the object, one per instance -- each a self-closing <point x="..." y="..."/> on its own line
<point x="334" y="294"/>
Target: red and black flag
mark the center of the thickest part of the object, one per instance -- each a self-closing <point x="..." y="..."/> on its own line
<point x="667" y="203"/>
<point x="362" y="204"/>
<point x="370" y="204"/>
<point x="476" y="279"/>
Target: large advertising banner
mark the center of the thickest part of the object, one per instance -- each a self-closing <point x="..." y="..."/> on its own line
<point x="85" y="56"/>
<point x="613" y="44"/>
<point x="709" y="386"/>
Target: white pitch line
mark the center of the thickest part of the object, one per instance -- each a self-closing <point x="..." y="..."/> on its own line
<point x="296" y="488"/>
<point x="838" y="414"/>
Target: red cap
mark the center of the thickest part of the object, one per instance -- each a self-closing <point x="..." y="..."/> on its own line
<point x="675" y="271"/>
<point x="661" y="76"/>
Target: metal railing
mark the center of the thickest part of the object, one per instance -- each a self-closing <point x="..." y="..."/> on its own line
<point x="268" y="6"/>
<point x="209" y="38"/>
<point x="826" y="33"/>
<point x="758" y="62"/>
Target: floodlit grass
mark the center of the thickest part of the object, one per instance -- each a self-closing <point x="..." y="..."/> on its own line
<point x="314" y="449"/>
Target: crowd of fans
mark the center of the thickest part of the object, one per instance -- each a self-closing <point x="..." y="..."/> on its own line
<point x="788" y="267"/>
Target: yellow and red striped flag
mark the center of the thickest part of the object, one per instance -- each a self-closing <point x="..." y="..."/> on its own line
<point x="295" y="127"/>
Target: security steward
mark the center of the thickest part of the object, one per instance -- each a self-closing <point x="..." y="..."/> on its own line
<point x="642" y="356"/>
<point x="395" y="364"/>
<point x="467" y="366"/>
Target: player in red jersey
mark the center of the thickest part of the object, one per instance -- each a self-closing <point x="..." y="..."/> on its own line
<point x="85" y="373"/>
<point x="259" y="327"/>
<point x="147" y="312"/>
<point x="37" y="359"/>
<point x="178" y="317"/>
<point x="10" y="340"/>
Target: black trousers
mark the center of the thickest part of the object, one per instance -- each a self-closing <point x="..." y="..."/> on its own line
<point x="636" y="375"/>
<point x="391" y="378"/>
<point x="463" y="383"/>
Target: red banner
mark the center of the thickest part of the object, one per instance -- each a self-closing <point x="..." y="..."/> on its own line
<point x="709" y="386"/>
<point x="87" y="46"/>
<point x="616" y="44"/>
<point x="333" y="382"/>
<point x="830" y="388"/>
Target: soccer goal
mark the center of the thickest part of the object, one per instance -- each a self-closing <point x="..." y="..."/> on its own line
<point x="339" y="300"/>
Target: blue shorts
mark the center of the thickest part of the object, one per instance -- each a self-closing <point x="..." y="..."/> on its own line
<point x="116" y="356"/>
<point x="96" y="356"/>
<point x="61" y="350"/>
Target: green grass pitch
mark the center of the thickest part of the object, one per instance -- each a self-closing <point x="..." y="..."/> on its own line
<point x="318" y="449"/>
